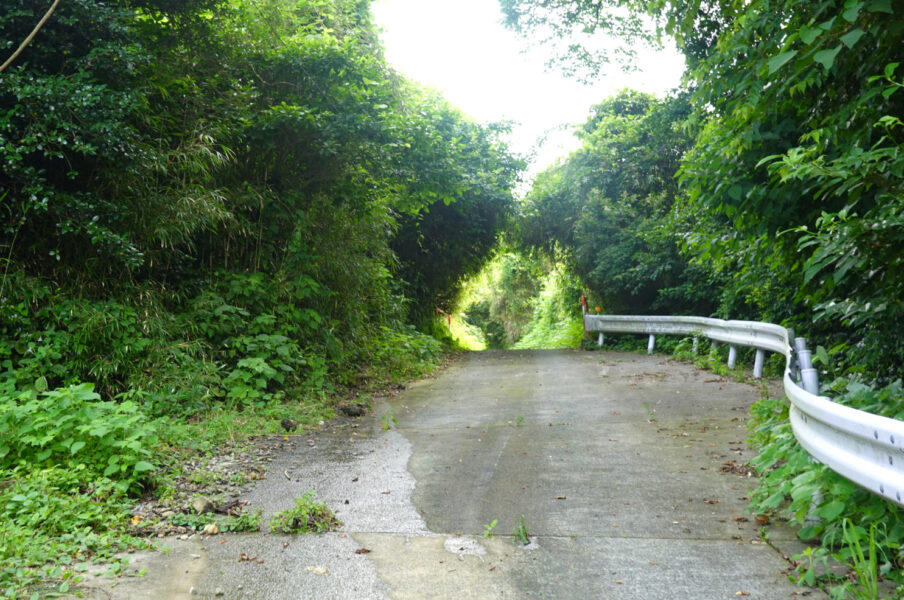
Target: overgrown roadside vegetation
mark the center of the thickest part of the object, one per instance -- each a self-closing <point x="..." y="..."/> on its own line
<point x="215" y="215"/>
<point x="520" y="301"/>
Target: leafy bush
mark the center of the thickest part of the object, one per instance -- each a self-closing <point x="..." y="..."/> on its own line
<point x="72" y="426"/>
<point x="556" y="320"/>
<point x="402" y="354"/>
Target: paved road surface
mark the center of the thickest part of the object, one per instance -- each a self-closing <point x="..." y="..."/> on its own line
<point x="613" y="460"/>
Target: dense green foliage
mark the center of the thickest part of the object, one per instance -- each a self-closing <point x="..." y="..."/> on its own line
<point x="500" y="302"/>
<point x="209" y="199"/>
<point x="212" y="208"/>
<point x="231" y="183"/>
<point x="556" y="321"/>
<point x="609" y="209"/>
<point x="521" y="301"/>
<point x="307" y="516"/>
<point x="791" y="182"/>
<point x="788" y="151"/>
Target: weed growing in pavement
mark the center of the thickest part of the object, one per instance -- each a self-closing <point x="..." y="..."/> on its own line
<point x="234" y="523"/>
<point x="388" y="420"/>
<point x="521" y="532"/>
<point x="307" y="516"/>
<point x="488" y="528"/>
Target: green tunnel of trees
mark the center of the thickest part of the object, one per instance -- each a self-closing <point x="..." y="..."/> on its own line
<point x="234" y="203"/>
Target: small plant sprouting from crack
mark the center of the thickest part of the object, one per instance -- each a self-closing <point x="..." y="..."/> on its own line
<point x="388" y="420"/>
<point x="521" y="532"/>
<point x="307" y="516"/>
<point x="488" y="528"/>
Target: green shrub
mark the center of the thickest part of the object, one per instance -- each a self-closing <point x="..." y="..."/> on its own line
<point x="403" y="353"/>
<point x="72" y="426"/>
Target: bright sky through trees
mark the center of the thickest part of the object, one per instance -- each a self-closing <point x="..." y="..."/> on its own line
<point x="461" y="48"/>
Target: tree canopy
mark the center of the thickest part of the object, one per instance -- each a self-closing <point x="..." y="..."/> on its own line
<point x="189" y="161"/>
<point x="791" y="185"/>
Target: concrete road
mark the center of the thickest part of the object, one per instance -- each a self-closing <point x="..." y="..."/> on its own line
<point x="614" y="462"/>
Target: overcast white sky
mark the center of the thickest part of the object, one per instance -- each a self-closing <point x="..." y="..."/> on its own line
<point x="461" y="48"/>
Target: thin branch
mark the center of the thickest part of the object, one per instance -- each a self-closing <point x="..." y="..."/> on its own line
<point x="31" y="36"/>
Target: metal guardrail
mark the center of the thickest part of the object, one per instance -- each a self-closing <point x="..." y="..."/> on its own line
<point x="865" y="448"/>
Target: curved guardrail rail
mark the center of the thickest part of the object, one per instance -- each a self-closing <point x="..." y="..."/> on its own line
<point x="865" y="448"/>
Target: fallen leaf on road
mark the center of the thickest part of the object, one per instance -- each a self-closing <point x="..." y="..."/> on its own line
<point x="362" y="551"/>
<point x="741" y="519"/>
<point x="710" y="501"/>
<point x="742" y="593"/>
<point x="354" y="480"/>
<point x="386" y="492"/>
<point x="761" y="519"/>
<point x="318" y="570"/>
<point x="560" y="497"/>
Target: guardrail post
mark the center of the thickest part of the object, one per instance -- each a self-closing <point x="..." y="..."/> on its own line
<point x="758" y="363"/>
<point x="732" y="356"/>
<point x="651" y="343"/>
<point x="600" y="340"/>
<point x="696" y="344"/>
<point x="809" y="377"/>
